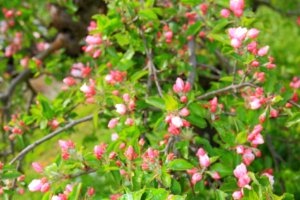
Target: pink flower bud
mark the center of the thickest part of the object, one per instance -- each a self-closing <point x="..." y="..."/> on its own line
<point x="196" y="178"/>
<point x="99" y="150"/>
<point x="274" y="113"/>
<point x="37" y="167"/>
<point x="216" y="176"/>
<point x="225" y="13"/>
<point x="129" y="122"/>
<point x="204" y="160"/>
<point x="254" y="63"/>
<point x="248" y="157"/>
<point x="183" y="99"/>
<point x="45" y="187"/>
<point x="130" y="154"/>
<point x="93" y="40"/>
<point x="184" y="112"/>
<point x="178" y="86"/>
<point x="263" y="51"/>
<point x="200" y="152"/>
<point x="126" y="97"/>
<point x="203" y="8"/>
<point x="113" y="123"/>
<point x="237" y="7"/>
<point x="237" y="195"/>
<point x="91" y="191"/>
<point x="253" y="33"/>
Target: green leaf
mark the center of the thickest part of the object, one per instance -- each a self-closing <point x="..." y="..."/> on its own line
<point x="179" y="165"/>
<point x="95" y="119"/>
<point x="196" y="109"/>
<point x="148" y="14"/>
<point x="222" y="169"/>
<point x="76" y="192"/>
<point x="171" y="103"/>
<point x="194" y="28"/>
<point x="220" y="195"/>
<point x="183" y="147"/>
<point x="133" y="195"/>
<point x="191" y="2"/>
<point x="156" y="102"/>
<point x="175" y="187"/>
<point x="241" y="137"/>
<point x="122" y="39"/>
<point x="197" y="121"/>
<point x="166" y="179"/>
<point x="156" y="194"/>
<point x="137" y="75"/>
<point x="11" y="175"/>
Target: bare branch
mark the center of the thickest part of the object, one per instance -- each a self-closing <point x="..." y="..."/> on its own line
<point x="32" y="146"/>
<point x="192" y="60"/>
<point x="225" y="89"/>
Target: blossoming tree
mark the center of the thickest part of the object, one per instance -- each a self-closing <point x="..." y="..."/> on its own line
<point x="180" y="94"/>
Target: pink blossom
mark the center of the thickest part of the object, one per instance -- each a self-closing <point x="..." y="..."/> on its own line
<point x="213" y="104"/>
<point x="240" y="170"/>
<point x="237" y="195"/>
<point x="263" y="51"/>
<point x="240" y="149"/>
<point x="99" y="150"/>
<point x="177" y="121"/>
<point x="130" y="154"/>
<point x="120" y="108"/>
<point x="248" y="157"/>
<point x="216" y="175"/>
<point x="35" y="185"/>
<point x="235" y="43"/>
<point x="45" y="187"/>
<point x="91" y="191"/>
<point x="113" y="123"/>
<point x="114" y="136"/>
<point x="126" y="97"/>
<point x="37" y="167"/>
<point x="225" y="13"/>
<point x="178" y="86"/>
<point x="239" y="33"/>
<point x="255" y="103"/>
<point x="196" y="178"/>
<point x="253" y="33"/>
<point x="129" y="122"/>
<point x="93" y="40"/>
<point x="184" y="112"/>
<point x="204" y="160"/>
<point x="274" y="113"/>
<point x="237" y="7"/>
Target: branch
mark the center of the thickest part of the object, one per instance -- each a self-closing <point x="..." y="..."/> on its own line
<point x="32" y="146"/>
<point x="23" y="76"/>
<point x="225" y="89"/>
<point x="89" y="171"/>
<point x="150" y="64"/>
<point x="192" y="60"/>
<point x="294" y="103"/>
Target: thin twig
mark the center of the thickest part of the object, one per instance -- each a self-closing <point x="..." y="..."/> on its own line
<point x="294" y="103"/>
<point x="32" y="146"/>
<point x="150" y="64"/>
<point x="192" y="60"/>
<point x="225" y="89"/>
